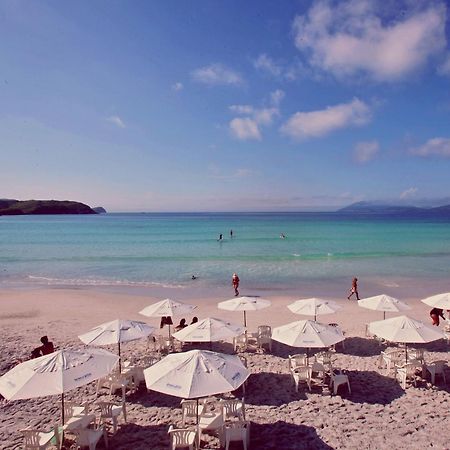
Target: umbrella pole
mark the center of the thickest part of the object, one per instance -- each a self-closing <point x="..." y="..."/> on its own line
<point x="120" y="360"/>
<point x="62" y="408"/>
<point x="384" y="315"/>
<point x="245" y="320"/>
<point x="406" y="352"/>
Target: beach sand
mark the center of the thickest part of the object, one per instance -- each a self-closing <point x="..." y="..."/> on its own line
<point x="378" y="414"/>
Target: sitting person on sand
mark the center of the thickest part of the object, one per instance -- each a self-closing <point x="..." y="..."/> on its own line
<point x="181" y="325"/>
<point x="165" y="321"/>
<point x="435" y="313"/>
<point x="45" y="349"/>
<point x="194" y="320"/>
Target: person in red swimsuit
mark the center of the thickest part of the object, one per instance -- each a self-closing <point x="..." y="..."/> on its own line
<point x="235" y="281"/>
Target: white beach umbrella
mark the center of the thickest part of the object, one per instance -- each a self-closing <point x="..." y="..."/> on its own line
<point x="244" y="304"/>
<point x="314" y="307"/>
<point x="195" y="374"/>
<point x="56" y="373"/>
<point x="383" y="303"/>
<point x="441" y="301"/>
<point x="405" y="330"/>
<point x="308" y="334"/>
<point x="167" y="308"/>
<point x="209" y="330"/>
<point x="116" y="332"/>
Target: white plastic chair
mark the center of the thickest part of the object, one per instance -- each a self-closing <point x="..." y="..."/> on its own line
<point x="408" y="371"/>
<point x="264" y="337"/>
<point x="89" y="437"/>
<point x="189" y="410"/>
<point x="111" y="411"/>
<point x="148" y="361"/>
<point x="240" y="342"/>
<point x="437" y="368"/>
<point x="326" y="359"/>
<point x="236" y="431"/>
<point x="301" y="374"/>
<point x="390" y="358"/>
<point x="74" y="409"/>
<point x="233" y="408"/>
<point x="181" y="438"/>
<point x="300" y="360"/>
<point x="417" y="354"/>
<point x="337" y="379"/>
<point x="39" y="440"/>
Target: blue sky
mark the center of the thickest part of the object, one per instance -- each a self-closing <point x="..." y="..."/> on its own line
<point x="224" y="106"/>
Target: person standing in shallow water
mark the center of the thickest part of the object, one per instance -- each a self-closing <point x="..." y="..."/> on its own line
<point x="354" y="289"/>
<point x="235" y="281"/>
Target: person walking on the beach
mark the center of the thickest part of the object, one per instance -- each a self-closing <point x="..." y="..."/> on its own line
<point x="435" y="313"/>
<point x="235" y="281"/>
<point x="354" y="289"/>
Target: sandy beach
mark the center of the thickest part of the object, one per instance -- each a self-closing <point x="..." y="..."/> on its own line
<point x="378" y="414"/>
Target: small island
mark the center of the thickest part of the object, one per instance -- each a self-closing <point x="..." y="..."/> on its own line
<point x="11" y="207"/>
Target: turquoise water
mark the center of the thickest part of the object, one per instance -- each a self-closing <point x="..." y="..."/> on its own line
<point x="166" y="249"/>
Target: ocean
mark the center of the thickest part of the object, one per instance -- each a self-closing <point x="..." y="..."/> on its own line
<point x="165" y="250"/>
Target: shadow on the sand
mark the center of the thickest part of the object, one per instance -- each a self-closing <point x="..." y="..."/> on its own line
<point x="149" y="398"/>
<point x="130" y="436"/>
<point x="359" y="346"/>
<point x="286" y="436"/>
<point x="261" y="387"/>
<point x="373" y="388"/>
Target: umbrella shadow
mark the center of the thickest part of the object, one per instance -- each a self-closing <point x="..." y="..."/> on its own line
<point x="283" y="350"/>
<point x="358" y="346"/>
<point x="274" y="436"/>
<point x="262" y="386"/>
<point x="131" y="435"/>
<point x="369" y="386"/>
<point x="149" y="398"/>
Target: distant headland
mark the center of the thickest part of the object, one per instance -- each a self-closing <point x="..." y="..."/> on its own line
<point x="11" y="207"/>
<point x="375" y="208"/>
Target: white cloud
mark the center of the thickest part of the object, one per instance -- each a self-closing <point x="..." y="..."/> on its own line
<point x="177" y="86"/>
<point x="117" y="121"/>
<point x="434" y="147"/>
<point x="217" y="74"/>
<point x="351" y="37"/>
<point x="321" y="122"/>
<point x="267" y="64"/>
<point x="411" y="192"/>
<point x="245" y="128"/>
<point x="276" y="97"/>
<point x="365" y="151"/>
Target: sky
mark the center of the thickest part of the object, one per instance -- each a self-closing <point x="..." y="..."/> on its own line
<point x="213" y="105"/>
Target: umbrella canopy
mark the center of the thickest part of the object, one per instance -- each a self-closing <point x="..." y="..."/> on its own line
<point x="244" y="304"/>
<point x="406" y="330"/>
<point x="441" y="301"/>
<point x="314" y="307"/>
<point x="383" y="303"/>
<point x="166" y="308"/>
<point x="116" y="332"/>
<point x="209" y="330"/>
<point x="308" y="334"/>
<point x="195" y="374"/>
<point x="56" y="373"/>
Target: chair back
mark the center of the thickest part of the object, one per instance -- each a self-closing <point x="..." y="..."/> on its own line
<point x="232" y="408"/>
<point x="31" y="439"/>
<point x="237" y="431"/>
<point x="180" y="437"/>
<point x="300" y="359"/>
<point x="264" y="331"/>
<point x="106" y="408"/>
<point x="189" y="408"/>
